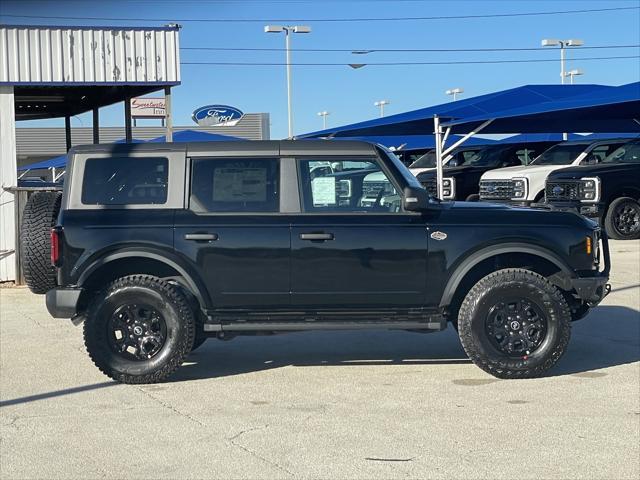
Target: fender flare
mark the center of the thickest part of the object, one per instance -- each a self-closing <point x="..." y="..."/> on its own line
<point x="197" y="288"/>
<point x="491" y="251"/>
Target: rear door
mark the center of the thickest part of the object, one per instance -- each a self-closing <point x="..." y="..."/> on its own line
<point x="353" y="246"/>
<point x="233" y="231"/>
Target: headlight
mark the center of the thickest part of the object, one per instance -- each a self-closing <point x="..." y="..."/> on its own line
<point x="448" y="188"/>
<point x="590" y="189"/>
<point x="520" y="188"/>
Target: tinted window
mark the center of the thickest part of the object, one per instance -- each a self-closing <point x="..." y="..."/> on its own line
<point x="125" y="181"/>
<point x="560" y="155"/>
<point x="629" y="153"/>
<point x="235" y="185"/>
<point x="332" y="187"/>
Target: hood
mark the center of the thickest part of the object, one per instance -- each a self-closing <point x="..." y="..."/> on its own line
<point x="521" y="171"/>
<point x="418" y="171"/>
<point x="452" y="171"/>
<point x="601" y="170"/>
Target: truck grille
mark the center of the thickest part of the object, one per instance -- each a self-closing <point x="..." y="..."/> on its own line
<point x="496" y="189"/>
<point x="562" y="191"/>
<point x="372" y="189"/>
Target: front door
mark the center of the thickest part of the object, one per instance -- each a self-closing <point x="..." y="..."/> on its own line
<point x="353" y="246"/>
<point x="232" y="232"/>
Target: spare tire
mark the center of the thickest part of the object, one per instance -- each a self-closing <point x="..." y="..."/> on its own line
<point x="40" y="214"/>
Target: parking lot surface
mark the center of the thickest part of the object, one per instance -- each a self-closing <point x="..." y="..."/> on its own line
<point x="325" y="405"/>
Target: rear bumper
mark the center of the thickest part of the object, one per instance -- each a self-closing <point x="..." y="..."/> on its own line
<point x="63" y="302"/>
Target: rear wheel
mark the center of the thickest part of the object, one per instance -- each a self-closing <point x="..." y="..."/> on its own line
<point x="139" y="329"/>
<point x="622" y="221"/>
<point x="40" y="215"/>
<point x="514" y="324"/>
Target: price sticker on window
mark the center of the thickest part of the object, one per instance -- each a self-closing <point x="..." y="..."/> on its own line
<point x="323" y="190"/>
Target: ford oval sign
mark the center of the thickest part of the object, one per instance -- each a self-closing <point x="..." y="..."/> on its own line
<point x="217" y="115"/>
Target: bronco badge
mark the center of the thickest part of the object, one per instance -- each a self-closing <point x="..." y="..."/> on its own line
<point x="437" y="235"/>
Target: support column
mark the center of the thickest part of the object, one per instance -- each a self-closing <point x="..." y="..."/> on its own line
<point x="438" y="137"/>
<point x="8" y="178"/>
<point x="127" y="120"/>
<point x="168" y="114"/>
<point x="67" y="131"/>
<point x="96" y="125"/>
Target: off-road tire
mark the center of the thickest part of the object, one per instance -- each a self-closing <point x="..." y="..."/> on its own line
<point x="167" y="299"/>
<point x="610" y="219"/>
<point x="527" y="285"/>
<point x="40" y="215"/>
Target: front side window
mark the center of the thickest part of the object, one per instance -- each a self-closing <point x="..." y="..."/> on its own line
<point x="347" y="186"/>
<point x="235" y="185"/>
<point x="125" y="181"/>
<point x="559" y="155"/>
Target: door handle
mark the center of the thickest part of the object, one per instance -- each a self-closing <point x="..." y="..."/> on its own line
<point x="316" y="236"/>
<point x="201" y="237"/>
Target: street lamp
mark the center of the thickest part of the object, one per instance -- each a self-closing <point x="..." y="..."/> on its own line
<point x="573" y="73"/>
<point x="454" y="92"/>
<point x="324" y="114"/>
<point x="381" y="104"/>
<point x="551" y="42"/>
<point x="287" y="30"/>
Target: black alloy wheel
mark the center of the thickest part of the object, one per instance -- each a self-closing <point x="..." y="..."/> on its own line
<point x="516" y="328"/>
<point x="626" y="219"/>
<point x="136" y="332"/>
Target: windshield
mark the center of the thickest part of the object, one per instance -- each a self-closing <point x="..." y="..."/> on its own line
<point x="629" y="153"/>
<point x="559" y="155"/>
<point x="428" y="160"/>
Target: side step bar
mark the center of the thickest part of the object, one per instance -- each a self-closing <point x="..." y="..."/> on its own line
<point x="435" y="323"/>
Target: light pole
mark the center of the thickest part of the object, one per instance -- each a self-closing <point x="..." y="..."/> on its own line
<point x="454" y="92"/>
<point x="551" y="42"/>
<point x="573" y="73"/>
<point x="324" y="114"/>
<point x="381" y="104"/>
<point x="287" y="30"/>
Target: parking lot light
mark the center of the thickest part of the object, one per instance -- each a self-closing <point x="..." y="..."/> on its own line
<point x="573" y="73"/>
<point x="381" y="104"/>
<point x="324" y="114"/>
<point x="552" y="42"/>
<point x="287" y="29"/>
<point x="454" y="92"/>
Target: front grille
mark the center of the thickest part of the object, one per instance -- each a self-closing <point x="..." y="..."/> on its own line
<point x="562" y="191"/>
<point x="431" y="186"/>
<point x="496" y="189"/>
<point x="372" y="189"/>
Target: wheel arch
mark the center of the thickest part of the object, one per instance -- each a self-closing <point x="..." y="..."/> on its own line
<point x="489" y="258"/>
<point x="122" y="263"/>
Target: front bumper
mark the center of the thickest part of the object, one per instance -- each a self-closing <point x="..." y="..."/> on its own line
<point x="594" y="211"/>
<point x="593" y="289"/>
<point x="63" y="302"/>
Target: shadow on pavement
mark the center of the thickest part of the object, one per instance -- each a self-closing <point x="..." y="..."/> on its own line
<point x="608" y="336"/>
<point x="57" y="393"/>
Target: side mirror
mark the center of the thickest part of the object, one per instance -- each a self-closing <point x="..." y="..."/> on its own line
<point x="415" y="199"/>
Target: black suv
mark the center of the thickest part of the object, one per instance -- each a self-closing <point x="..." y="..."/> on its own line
<point x="462" y="181"/>
<point x="157" y="247"/>
<point x="608" y="192"/>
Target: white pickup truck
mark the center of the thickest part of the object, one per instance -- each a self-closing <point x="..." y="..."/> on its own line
<point x="525" y="184"/>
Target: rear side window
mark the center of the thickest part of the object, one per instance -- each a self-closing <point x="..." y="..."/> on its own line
<point x="235" y="185"/>
<point x="125" y="181"/>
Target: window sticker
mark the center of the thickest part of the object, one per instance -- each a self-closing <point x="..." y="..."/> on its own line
<point x="323" y="190"/>
<point x="240" y="185"/>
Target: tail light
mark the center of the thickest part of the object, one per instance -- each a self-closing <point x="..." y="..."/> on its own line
<point x="56" y="246"/>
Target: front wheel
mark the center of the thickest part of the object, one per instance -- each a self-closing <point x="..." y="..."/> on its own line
<point x="514" y="324"/>
<point x="139" y="329"/>
<point x="622" y="221"/>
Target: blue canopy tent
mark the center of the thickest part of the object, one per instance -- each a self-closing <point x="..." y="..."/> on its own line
<point x="409" y="142"/>
<point x="421" y="121"/>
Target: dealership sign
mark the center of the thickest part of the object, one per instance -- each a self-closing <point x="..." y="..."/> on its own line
<point x="217" y="115"/>
<point x="145" y="107"/>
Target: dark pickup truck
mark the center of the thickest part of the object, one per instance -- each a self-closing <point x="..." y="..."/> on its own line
<point x="462" y="182"/>
<point x="158" y="247"/>
<point x="608" y="192"/>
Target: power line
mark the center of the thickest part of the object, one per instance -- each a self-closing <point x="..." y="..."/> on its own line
<point x="324" y="20"/>
<point x="459" y="62"/>
<point x="390" y="50"/>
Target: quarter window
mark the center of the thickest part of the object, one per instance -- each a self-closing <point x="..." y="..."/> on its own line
<point x="125" y="181"/>
<point x="235" y="185"/>
<point x="347" y="186"/>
